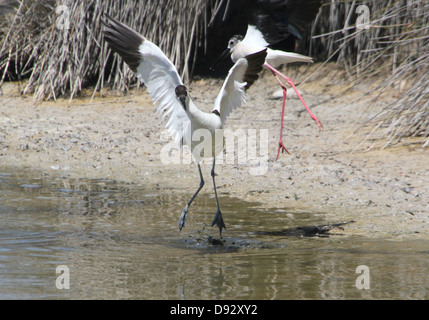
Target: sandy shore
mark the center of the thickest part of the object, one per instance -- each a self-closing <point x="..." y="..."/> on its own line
<point x="120" y="137"/>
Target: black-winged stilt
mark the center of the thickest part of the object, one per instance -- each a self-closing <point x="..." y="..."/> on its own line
<point x="271" y="22"/>
<point x="166" y="88"/>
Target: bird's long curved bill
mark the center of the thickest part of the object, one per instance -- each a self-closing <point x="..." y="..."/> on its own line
<point x="222" y="57"/>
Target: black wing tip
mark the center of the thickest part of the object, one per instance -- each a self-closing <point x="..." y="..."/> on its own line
<point x="123" y="40"/>
<point x="255" y="62"/>
<point x="105" y="18"/>
<point x="110" y="22"/>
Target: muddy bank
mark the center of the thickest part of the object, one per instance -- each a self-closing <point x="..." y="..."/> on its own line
<point x="120" y="137"/>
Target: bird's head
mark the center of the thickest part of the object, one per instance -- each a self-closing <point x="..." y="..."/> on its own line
<point x="231" y="45"/>
<point x="234" y="41"/>
<point x="182" y="95"/>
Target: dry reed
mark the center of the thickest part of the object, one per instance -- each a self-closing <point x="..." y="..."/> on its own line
<point x="393" y="45"/>
<point x="62" y="61"/>
<point x="58" y="44"/>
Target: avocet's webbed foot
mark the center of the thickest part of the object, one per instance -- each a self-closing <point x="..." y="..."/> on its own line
<point x="183" y="216"/>
<point x="218" y="220"/>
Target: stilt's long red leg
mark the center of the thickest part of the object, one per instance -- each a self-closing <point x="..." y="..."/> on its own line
<point x="281" y="145"/>
<point x="289" y="81"/>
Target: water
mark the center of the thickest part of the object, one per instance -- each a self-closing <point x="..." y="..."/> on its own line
<point x="120" y="241"/>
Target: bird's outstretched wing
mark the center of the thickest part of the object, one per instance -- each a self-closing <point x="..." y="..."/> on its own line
<point x="278" y="19"/>
<point x="153" y="68"/>
<point x="240" y="77"/>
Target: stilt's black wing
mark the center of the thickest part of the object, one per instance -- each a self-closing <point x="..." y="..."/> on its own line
<point x="278" y="19"/>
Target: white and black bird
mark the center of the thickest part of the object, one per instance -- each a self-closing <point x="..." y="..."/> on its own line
<point x="166" y="89"/>
<point x="271" y="22"/>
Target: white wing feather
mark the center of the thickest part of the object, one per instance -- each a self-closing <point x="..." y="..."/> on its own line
<point x="232" y="94"/>
<point x="161" y="78"/>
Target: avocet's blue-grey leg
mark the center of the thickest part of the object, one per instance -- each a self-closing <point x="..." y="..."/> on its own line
<point x="183" y="216"/>
<point x="218" y="220"/>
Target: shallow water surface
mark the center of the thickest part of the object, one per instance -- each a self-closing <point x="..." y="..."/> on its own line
<point x="121" y="241"/>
